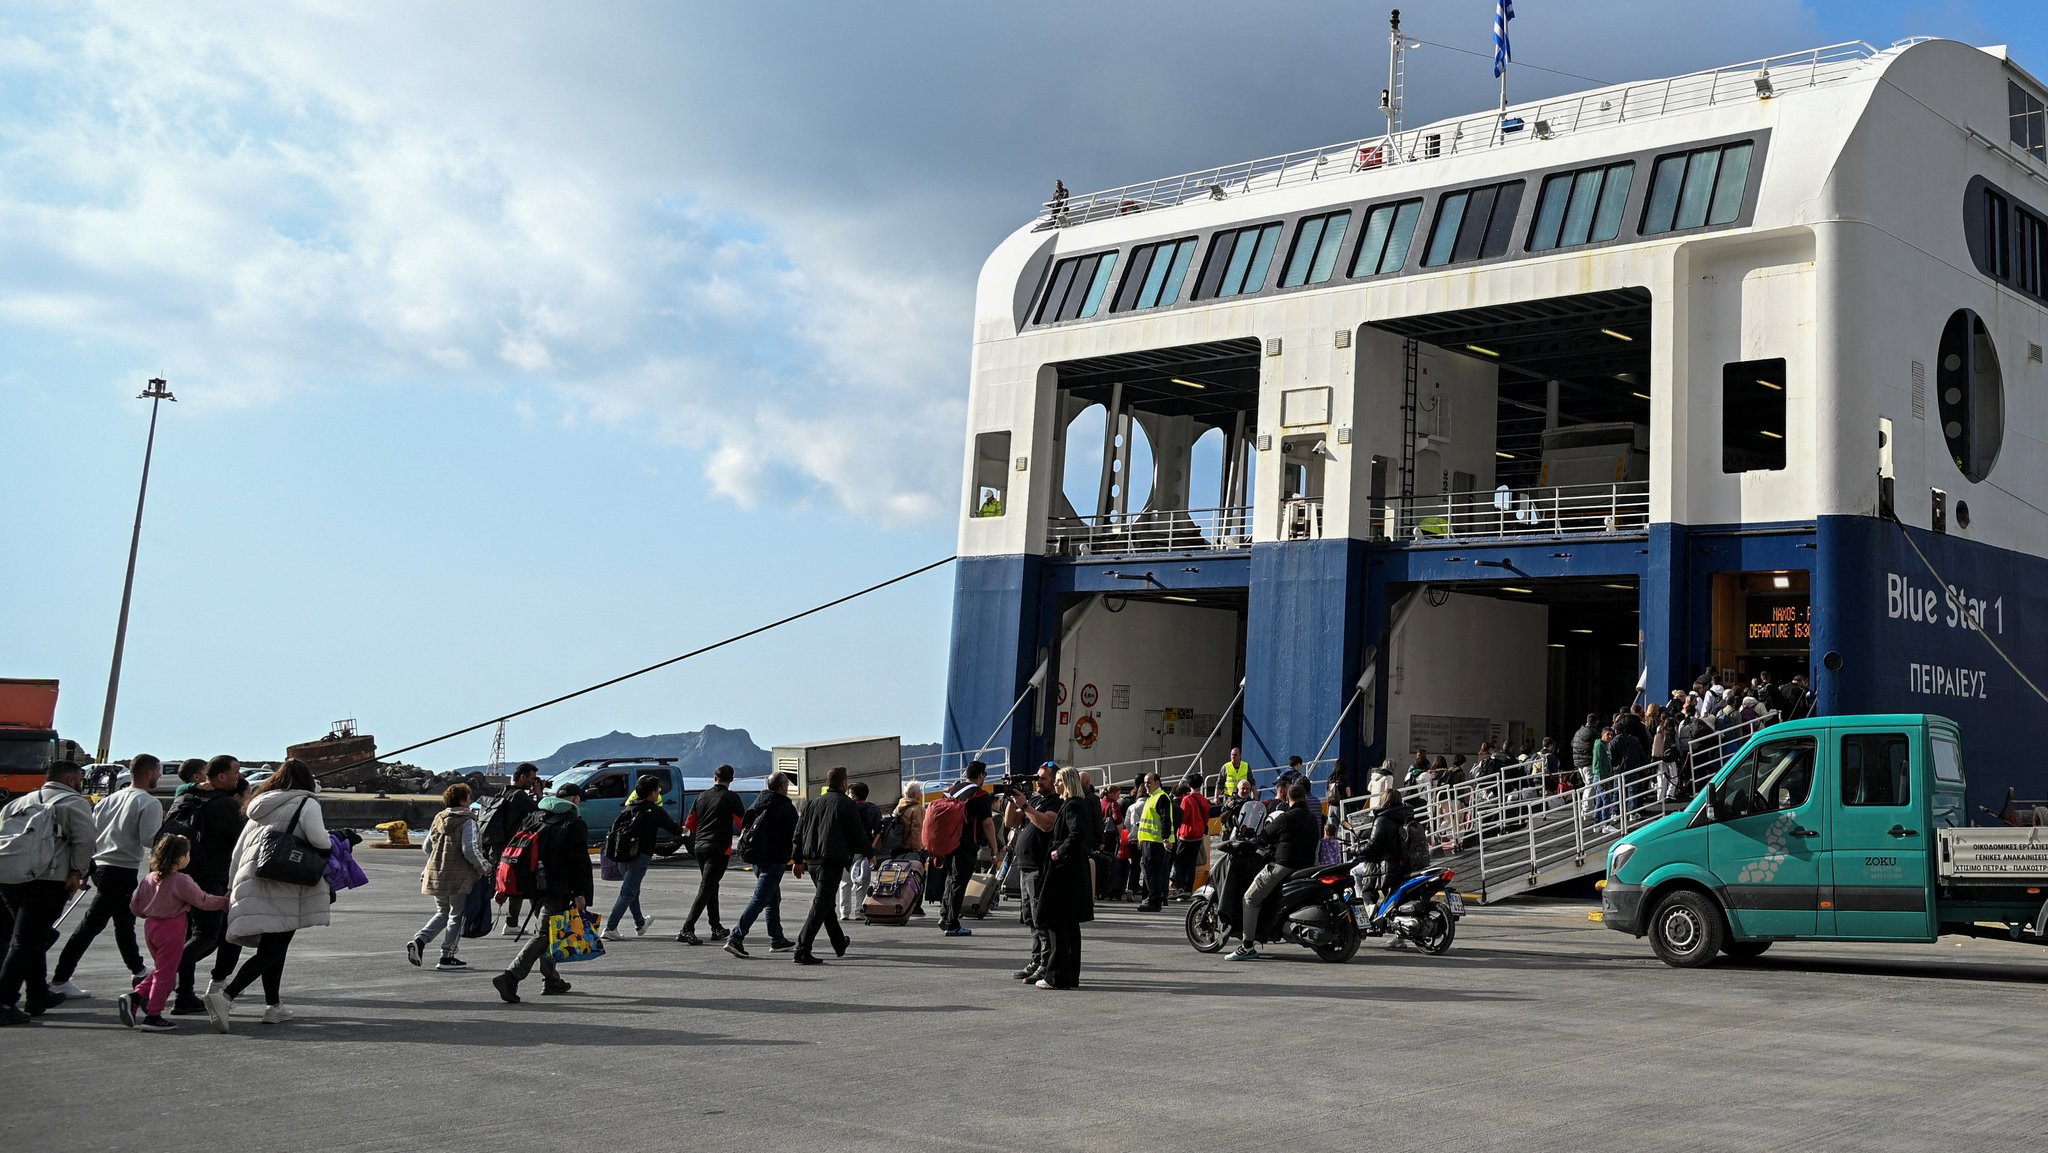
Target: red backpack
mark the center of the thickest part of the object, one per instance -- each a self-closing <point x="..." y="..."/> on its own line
<point x="519" y="866"/>
<point x="944" y="819"/>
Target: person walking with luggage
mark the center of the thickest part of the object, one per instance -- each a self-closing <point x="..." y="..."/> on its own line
<point x="267" y="911"/>
<point x="853" y="890"/>
<point x="126" y="825"/>
<point x="1031" y="820"/>
<point x="829" y="837"/>
<point x="958" y="826"/>
<point x="211" y="817"/>
<point x="455" y="862"/>
<point x="713" y="822"/>
<point x="1066" y="899"/>
<point x="163" y="898"/>
<point x="46" y="848"/>
<point x="767" y="841"/>
<point x="504" y="819"/>
<point x="560" y="881"/>
<point x="910" y="807"/>
<point x="631" y="845"/>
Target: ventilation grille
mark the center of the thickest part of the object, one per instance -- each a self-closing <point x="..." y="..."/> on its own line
<point x="1272" y="346"/>
<point x="1344" y="341"/>
<point x="1919" y="391"/>
<point x="2033" y="352"/>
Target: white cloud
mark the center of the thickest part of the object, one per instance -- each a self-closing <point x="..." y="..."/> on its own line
<point x="747" y="235"/>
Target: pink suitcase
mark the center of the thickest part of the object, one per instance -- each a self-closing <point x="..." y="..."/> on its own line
<point x="894" y="891"/>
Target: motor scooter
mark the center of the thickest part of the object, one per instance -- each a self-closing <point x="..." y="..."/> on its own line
<point x="1422" y="909"/>
<point x="1313" y="908"/>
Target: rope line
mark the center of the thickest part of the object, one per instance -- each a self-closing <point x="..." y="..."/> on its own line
<point x="735" y="638"/>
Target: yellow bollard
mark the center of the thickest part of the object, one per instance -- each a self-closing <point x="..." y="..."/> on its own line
<point x="394" y="836"/>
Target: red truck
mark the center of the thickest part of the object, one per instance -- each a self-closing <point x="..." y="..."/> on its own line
<point x="28" y="734"/>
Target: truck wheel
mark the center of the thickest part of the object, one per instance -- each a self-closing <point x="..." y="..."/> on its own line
<point x="1686" y="930"/>
<point x="1745" y="950"/>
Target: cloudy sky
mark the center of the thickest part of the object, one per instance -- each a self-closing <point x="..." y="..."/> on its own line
<point x="518" y="344"/>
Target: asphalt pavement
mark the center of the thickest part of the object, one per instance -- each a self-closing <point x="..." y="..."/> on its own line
<point x="1538" y="1031"/>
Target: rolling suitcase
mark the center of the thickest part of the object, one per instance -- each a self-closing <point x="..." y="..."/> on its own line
<point x="982" y="891"/>
<point x="894" y="891"/>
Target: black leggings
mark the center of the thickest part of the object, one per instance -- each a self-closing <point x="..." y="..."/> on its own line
<point x="267" y="963"/>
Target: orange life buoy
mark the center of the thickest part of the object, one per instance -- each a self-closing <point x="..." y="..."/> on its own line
<point x="1084" y="732"/>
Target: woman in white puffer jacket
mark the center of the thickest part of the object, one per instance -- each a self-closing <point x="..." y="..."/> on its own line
<point x="266" y="913"/>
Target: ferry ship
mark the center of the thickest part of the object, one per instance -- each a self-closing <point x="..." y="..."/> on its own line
<point x="1466" y="431"/>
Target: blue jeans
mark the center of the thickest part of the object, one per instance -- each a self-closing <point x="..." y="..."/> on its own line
<point x="633" y="872"/>
<point x="767" y="895"/>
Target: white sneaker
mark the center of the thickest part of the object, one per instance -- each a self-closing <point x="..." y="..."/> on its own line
<point x="610" y="935"/>
<point x="511" y="930"/>
<point x="216" y="985"/>
<point x="70" y="990"/>
<point x="276" y="1014"/>
<point x="218" y="1006"/>
<point x="644" y="926"/>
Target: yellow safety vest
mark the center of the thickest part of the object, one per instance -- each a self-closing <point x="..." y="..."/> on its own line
<point x="1151" y="822"/>
<point x="1233" y="772"/>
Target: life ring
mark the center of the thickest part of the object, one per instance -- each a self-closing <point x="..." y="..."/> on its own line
<point x="1084" y="732"/>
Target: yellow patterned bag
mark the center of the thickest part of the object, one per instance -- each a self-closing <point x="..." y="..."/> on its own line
<point x="573" y="936"/>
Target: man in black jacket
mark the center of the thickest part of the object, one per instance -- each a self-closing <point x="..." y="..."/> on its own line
<point x="1291" y="834"/>
<point x="562" y="883"/>
<point x="770" y="836"/>
<point x="713" y="822"/>
<point x="511" y="811"/>
<point x="829" y="835"/>
<point x="211" y="815"/>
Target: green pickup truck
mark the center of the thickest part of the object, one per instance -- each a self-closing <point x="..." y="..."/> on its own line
<point x="1845" y="828"/>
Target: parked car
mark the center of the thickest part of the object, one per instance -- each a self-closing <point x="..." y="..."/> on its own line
<point x="608" y="781"/>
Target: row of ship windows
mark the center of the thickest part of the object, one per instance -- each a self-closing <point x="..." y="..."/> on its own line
<point x="1692" y="189"/>
<point x="2015" y="248"/>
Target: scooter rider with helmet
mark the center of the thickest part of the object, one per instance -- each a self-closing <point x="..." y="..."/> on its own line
<point x="1290" y="835"/>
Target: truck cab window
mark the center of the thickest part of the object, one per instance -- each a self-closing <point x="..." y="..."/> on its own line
<point x="1874" y="769"/>
<point x="608" y="787"/>
<point x="1774" y="776"/>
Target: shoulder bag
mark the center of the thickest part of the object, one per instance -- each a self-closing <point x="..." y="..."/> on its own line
<point x="281" y="856"/>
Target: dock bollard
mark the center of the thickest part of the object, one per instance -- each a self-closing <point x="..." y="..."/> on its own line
<point x="395" y="836"/>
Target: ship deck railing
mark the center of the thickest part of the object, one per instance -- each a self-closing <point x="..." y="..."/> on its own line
<point x="1161" y="531"/>
<point x="1605" y="107"/>
<point x="1503" y="513"/>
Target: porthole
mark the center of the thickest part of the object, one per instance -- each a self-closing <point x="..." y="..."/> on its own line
<point x="1971" y="395"/>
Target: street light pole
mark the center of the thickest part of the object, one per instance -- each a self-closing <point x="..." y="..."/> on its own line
<point x="158" y="391"/>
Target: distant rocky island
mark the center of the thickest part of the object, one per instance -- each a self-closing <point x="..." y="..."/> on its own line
<point x="697" y="754"/>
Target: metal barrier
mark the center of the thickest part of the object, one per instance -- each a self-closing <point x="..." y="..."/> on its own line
<point x="938" y="770"/>
<point x="1563" y="510"/>
<point x="1174" y="530"/>
<point x="1603" y="107"/>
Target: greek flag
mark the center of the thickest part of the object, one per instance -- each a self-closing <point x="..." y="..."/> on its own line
<point x="1503" y="12"/>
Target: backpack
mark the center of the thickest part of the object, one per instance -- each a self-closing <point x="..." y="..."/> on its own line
<point x="622" y="841"/>
<point x="29" y="844"/>
<point x="183" y="819"/>
<point x="944" y="820"/>
<point x="519" y="865"/>
<point x="889" y="839"/>
<point x="1416" y="847"/>
<point x="495" y="825"/>
<point x="749" y="833"/>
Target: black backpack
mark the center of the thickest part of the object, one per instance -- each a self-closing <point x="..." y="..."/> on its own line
<point x="890" y="838"/>
<point x="622" y="842"/>
<point x="496" y="823"/>
<point x="183" y="819"/>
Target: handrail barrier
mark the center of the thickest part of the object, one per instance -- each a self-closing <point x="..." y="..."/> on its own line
<point x="1549" y="511"/>
<point x="1167" y="530"/>
<point x="937" y="770"/>
<point x="1601" y="108"/>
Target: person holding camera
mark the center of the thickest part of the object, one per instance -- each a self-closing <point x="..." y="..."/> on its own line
<point x="1031" y="818"/>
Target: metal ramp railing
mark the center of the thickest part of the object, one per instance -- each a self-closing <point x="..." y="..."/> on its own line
<point x="1506" y="835"/>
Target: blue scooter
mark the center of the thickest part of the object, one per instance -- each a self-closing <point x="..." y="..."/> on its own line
<point x="1422" y="910"/>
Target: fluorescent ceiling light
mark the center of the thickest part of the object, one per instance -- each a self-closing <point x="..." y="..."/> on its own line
<point x="1781" y="582"/>
<point x="1772" y="435"/>
<point x="1584" y="632"/>
<point x="1505" y="455"/>
<point x="1623" y="588"/>
<point x="1617" y="335"/>
<point x="1524" y="592"/>
<point x="1189" y="383"/>
<point x="1557" y="646"/>
<point x="1771" y="386"/>
<point x="1640" y="395"/>
<point x="1628" y="644"/>
<point x="1482" y="351"/>
<point x="1182" y="600"/>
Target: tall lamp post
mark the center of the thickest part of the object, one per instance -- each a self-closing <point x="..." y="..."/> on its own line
<point x="158" y="391"/>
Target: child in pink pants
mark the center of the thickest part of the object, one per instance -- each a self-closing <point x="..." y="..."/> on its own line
<point x="162" y="898"/>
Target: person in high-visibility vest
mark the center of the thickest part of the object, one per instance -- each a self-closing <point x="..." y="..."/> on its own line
<point x="1156" y="820"/>
<point x="1235" y="770"/>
